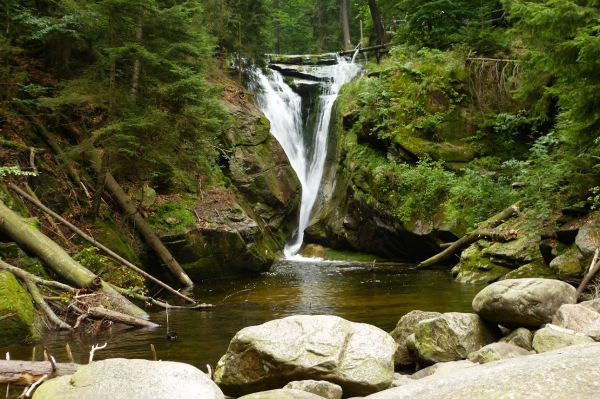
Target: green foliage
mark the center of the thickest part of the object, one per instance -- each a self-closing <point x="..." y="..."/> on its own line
<point x="15" y="171"/>
<point x="175" y="217"/>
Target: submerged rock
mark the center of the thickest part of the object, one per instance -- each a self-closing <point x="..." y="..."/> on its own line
<point x="131" y="378"/>
<point x="452" y="336"/>
<point x="358" y="357"/>
<point x="528" y="302"/>
<point x="566" y="373"/>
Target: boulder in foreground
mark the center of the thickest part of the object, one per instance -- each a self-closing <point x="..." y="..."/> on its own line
<point x="358" y="357"/>
<point x="566" y="373"/>
<point x="131" y="378"/>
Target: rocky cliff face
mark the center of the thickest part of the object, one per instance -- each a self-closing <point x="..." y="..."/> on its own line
<point x="241" y="228"/>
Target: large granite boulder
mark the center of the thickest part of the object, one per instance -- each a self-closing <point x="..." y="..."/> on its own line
<point x="131" y="378"/>
<point x="566" y="373"/>
<point x="452" y="336"/>
<point x="358" y="357"/>
<point x="580" y="319"/>
<point x="496" y="351"/>
<point x="552" y="337"/>
<point x="17" y="313"/>
<point x="404" y="328"/>
<point x="528" y="302"/>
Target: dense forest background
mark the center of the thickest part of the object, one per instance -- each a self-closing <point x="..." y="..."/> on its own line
<point x="143" y="82"/>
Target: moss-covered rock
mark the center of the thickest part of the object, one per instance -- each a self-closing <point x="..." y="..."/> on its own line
<point x="17" y="313"/>
<point x="437" y="151"/>
<point x="474" y="267"/>
<point x="568" y="265"/>
<point x="537" y="269"/>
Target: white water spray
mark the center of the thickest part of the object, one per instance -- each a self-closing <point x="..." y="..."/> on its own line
<point x="305" y="150"/>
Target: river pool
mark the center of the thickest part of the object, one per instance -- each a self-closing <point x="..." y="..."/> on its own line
<point x="349" y="290"/>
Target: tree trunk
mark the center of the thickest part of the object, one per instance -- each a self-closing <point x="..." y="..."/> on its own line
<point x="276" y="26"/>
<point x="103" y="313"/>
<point x="346" y="26"/>
<point x="92" y="241"/>
<point x="494" y="235"/>
<point x="135" y="80"/>
<point x="140" y="224"/>
<point x="19" y="372"/>
<point x="377" y="22"/>
<point x="36" y="243"/>
<point x="484" y="230"/>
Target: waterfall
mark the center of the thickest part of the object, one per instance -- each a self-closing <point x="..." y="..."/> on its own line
<point x="306" y="150"/>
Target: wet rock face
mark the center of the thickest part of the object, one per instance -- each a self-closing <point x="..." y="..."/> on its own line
<point x="528" y="302"/>
<point x="357" y="357"/>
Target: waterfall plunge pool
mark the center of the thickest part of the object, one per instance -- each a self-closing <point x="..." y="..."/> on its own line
<point x="346" y="289"/>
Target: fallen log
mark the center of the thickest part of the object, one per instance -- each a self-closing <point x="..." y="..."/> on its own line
<point x="20" y="372"/>
<point x="108" y="314"/>
<point x="140" y="224"/>
<point x="485" y="230"/>
<point x="494" y="235"/>
<point x="35" y="242"/>
<point x="364" y="50"/>
<point x="99" y="245"/>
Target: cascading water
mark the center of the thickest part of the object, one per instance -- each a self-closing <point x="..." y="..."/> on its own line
<point x="305" y="150"/>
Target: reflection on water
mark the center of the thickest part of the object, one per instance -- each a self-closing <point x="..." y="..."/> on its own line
<point x="349" y="290"/>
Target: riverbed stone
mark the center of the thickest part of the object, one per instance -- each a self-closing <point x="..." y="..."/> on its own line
<point x="528" y="302"/>
<point x="588" y="239"/>
<point x="127" y="378"/>
<point x="443" y="368"/>
<point x="580" y="319"/>
<point x="401" y="379"/>
<point x="404" y="328"/>
<point x="17" y="313"/>
<point x="285" y="393"/>
<point x="568" y="265"/>
<point x="552" y="337"/>
<point x="536" y="269"/>
<point x="496" y="351"/>
<point x="512" y="254"/>
<point x="593" y="304"/>
<point x="324" y="389"/>
<point x="520" y="337"/>
<point x="452" y="336"/>
<point x="358" y="357"/>
<point x="565" y="373"/>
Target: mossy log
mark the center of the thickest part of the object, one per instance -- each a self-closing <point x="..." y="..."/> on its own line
<point x="103" y="313"/>
<point x="140" y="224"/>
<point x="19" y="372"/>
<point x="91" y="240"/>
<point x="35" y="242"/>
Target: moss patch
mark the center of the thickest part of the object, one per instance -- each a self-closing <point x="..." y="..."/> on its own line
<point x="16" y="305"/>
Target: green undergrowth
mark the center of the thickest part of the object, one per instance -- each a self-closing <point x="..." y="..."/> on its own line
<point x="173" y="217"/>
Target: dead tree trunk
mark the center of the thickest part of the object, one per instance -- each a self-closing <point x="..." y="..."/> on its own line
<point x="140" y="224"/>
<point x="92" y="241"/>
<point x="485" y="230"/>
<point x="35" y="242"/>
<point x="19" y="372"/>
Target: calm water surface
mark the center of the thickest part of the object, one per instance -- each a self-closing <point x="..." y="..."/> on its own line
<point x="349" y="290"/>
